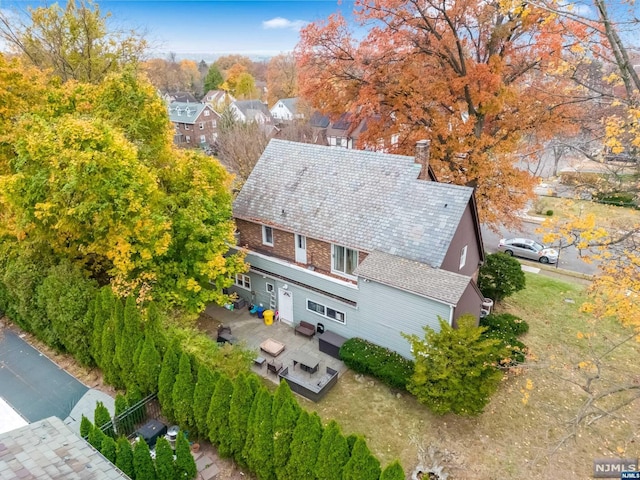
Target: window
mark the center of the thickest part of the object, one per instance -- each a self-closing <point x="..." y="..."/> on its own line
<point x="270" y="288"/>
<point x="326" y="312"/>
<point x="201" y="125"/>
<point x="186" y="126"/>
<point x="206" y="112"/>
<point x="345" y="260"/>
<point x="213" y="123"/>
<point x="188" y="139"/>
<point x="203" y="139"/>
<point x="463" y="257"/>
<point x="243" y="281"/>
<point x="267" y="235"/>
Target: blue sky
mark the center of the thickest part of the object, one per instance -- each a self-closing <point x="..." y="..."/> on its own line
<point x="213" y="27"/>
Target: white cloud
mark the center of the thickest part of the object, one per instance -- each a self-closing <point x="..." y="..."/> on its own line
<point x="283" y="23"/>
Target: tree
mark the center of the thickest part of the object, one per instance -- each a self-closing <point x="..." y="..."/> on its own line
<point x="393" y="471"/>
<point x="304" y="446"/>
<point x="362" y="465"/>
<point x="124" y="457"/>
<point x="101" y="415"/>
<point x="85" y="426"/>
<point x="285" y="418"/>
<point x="142" y="462"/>
<point x="281" y="78"/>
<point x="245" y="87"/>
<point x="74" y="43"/>
<point x="239" y="147"/>
<point x="165" y="466"/>
<point x="108" y="449"/>
<point x="148" y="366"/>
<point x="333" y="453"/>
<point x="166" y="379"/>
<point x="185" y="463"/>
<point x="128" y="341"/>
<point x="470" y="76"/>
<point x="239" y="410"/>
<point x="202" y="394"/>
<point x="218" y="415"/>
<point x="214" y="79"/>
<point x="96" y="437"/>
<point x="182" y="394"/>
<point x="259" y="449"/>
<point x="500" y="276"/>
<point x="226" y="62"/>
<point x="456" y="369"/>
<point x="102" y="311"/>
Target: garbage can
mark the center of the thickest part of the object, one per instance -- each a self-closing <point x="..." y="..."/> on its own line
<point x="320" y="328"/>
<point x="260" y="311"/>
<point x="268" y="317"/>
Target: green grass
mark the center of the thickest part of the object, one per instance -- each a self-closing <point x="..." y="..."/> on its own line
<point x="521" y="427"/>
<point x="608" y="215"/>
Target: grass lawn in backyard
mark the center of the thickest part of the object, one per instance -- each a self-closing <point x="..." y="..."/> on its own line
<point x="607" y="215"/>
<point x="519" y="434"/>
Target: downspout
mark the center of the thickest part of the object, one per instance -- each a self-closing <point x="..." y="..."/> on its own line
<point x="451" y="308"/>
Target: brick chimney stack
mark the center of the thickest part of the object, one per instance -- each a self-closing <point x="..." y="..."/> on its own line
<point x="423" y="148"/>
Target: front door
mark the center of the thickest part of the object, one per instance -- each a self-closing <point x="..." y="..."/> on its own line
<point x="285" y="306"/>
<point x="301" y="249"/>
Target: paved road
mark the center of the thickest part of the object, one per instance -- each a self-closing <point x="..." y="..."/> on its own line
<point x="569" y="259"/>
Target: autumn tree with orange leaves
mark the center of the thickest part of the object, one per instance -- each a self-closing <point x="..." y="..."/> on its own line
<point x="470" y="76"/>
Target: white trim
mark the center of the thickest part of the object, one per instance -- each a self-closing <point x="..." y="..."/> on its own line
<point x="463" y="257"/>
<point x="293" y="266"/>
<point x="339" y="272"/>
<point x="265" y="241"/>
<point x="245" y="279"/>
<point x="324" y="315"/>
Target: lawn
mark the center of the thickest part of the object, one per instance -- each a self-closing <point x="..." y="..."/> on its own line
<point x="609" y="215"/>
<point x="519" y="434"/>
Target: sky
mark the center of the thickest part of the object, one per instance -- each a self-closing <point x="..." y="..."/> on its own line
<point x="214" y="27"/>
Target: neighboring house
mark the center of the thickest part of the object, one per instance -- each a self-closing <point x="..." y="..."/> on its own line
<point x="251" y="111"/>
<point x="365" y="243"/>
<point x="48" y="449"/>
<point x="286" y="110"/>
<point x="196" y="124"/>
<point x="179" y="97"/>
<point x="344" y="132"/>
<point x="218" y="99"/>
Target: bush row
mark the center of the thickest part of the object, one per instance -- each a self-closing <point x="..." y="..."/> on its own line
<point x="370" y="359"/>
<point x="506" y="328"/>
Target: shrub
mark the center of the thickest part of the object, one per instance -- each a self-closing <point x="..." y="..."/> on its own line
<point x="549" y="213"/>
<point x="368" y="358"/>
<point x="506" y="327"/>
<point x="505" y="322"/>
<point x="500" y="276"/>
<point x="455" y="368"/>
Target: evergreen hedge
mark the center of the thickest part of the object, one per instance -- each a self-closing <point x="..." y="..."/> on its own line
<point x="368" y="358"/>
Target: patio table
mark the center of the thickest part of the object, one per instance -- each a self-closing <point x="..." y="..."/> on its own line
<point x="308" y="363"/>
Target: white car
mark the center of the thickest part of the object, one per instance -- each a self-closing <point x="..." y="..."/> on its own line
<point x="527" y="248"/>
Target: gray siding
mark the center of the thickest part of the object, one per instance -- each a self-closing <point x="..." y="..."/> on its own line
<point x="380" y="315"/>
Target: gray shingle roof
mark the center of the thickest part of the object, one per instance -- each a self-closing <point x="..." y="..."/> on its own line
<point x="251" y="108"/>
<point x="413" y="277"/>
<point x="48" y="449"/>
<point x="291" y="104"/>
<point x="360" y="199"/>
<point x="186" y="112"/>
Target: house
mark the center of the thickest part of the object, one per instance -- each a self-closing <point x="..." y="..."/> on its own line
<point x="344" y="132"/>
<point x="286" y="110"/>
<point x="218" y="99"/>
<point x="252" y="111"/>
<point x="365" y="243"/>
<point x="179" y="97"/>
<point x="48" y="449"/>
<point x="196" y="124"/>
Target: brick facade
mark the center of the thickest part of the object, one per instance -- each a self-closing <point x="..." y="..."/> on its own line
<point x="189" y="135"/>
<point x="318" y="251"/>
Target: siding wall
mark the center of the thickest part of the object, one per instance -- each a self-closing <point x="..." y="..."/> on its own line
<point x="471" y="302"/>
<point x="465" y="235"/>
<point x="380" y="313"/>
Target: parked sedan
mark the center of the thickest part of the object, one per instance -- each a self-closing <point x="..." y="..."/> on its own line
<point x="526" y="248"/>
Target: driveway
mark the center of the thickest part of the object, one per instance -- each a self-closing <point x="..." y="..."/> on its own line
<point x="32" y="384"/>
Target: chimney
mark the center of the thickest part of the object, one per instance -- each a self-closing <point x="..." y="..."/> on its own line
<point x="422" y="158"/>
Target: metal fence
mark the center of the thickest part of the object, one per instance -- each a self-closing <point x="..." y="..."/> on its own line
<point x="127" y="422"/>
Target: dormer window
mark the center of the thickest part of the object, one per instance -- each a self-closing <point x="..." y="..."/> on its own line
<point x="344" y="260"/>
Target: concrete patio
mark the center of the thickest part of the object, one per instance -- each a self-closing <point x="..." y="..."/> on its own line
<point x="252" y="331"/>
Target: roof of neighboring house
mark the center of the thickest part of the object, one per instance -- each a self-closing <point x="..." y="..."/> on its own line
<point x="183" y="97"/>
<point x="48" y="449"/>
<point x="290" y="103"/>
<point x="250" y="108"/>
<point x="319" y="120"/>
<point x="360" y="199"/>
<point x="343" y="127"/>
<point x="414" y="277"/>
<point x="186" y="112"/>
<point x="218" y="96"/>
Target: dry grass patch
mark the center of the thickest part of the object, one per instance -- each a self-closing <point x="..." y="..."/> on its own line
<point x="520" y="433"/>
<point x="607" y="215"/>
